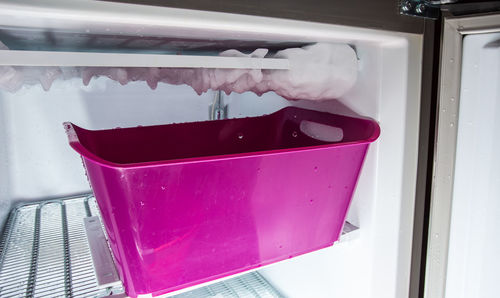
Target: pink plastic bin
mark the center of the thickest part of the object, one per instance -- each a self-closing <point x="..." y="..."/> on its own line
<point x="187" y="203"/>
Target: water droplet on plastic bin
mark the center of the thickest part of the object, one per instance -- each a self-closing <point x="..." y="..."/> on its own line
<point x="294" y="134"/>
<point x="316" y="169"/>
<point x="240" y="136"/>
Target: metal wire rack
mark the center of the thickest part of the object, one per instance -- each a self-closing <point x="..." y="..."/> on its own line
<point x="249" y="285"/>
<point x="46" y="251"/>
<point x="47" y="247"/>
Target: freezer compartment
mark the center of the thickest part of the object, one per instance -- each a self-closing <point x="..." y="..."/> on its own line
<point x="36" y="162"/>
<point x="187" y="203"/>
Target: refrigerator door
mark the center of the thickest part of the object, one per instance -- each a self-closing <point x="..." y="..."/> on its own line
<point x="463" y="242"/>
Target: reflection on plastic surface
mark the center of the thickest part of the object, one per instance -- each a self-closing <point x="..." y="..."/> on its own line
<point x="322" y="132"/>
<point x="187" y="203"/>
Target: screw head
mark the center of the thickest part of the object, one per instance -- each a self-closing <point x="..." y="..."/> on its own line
<point x="406" y="6"/>
<point x="420" y="8"/>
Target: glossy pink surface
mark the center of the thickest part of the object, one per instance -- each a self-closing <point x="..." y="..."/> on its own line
<point x="188" y="203"/>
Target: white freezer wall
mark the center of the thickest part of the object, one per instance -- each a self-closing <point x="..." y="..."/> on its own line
<point x="375" y="262"/>
<point x="40" y="162"/>
<point x="474" y="249"/>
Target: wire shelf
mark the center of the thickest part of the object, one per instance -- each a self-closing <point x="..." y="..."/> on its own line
<point x="45" y="251"/>
<point x="249" y="285"/>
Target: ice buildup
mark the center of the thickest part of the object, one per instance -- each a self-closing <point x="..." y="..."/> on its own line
<point x="317" y="72"/>
<point x="12" y="78"/>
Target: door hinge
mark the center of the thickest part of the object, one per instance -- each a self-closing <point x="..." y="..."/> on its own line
<point x="420" y="8"/>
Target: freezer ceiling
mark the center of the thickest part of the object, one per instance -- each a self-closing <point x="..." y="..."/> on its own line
<point x="17" y="38"/>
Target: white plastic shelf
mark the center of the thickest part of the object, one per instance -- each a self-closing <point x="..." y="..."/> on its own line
<point x="95" y="59"/>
